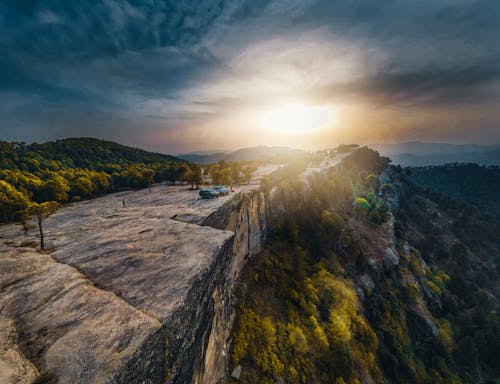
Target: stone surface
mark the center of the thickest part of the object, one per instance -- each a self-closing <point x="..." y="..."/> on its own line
<point x="390" y="258"/>
<point x="246" y="217"/>
<point x="366" y="282"/>
<point x="64" y="324"/>
<point x="236" y="372"/>
<point x="128" y="294"/>
<point x="15" y="368"/>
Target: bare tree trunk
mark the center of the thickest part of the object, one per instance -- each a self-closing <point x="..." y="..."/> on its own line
<point x="42" y="242"/>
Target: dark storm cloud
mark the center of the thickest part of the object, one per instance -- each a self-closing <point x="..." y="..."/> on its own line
<point x="437" y="51"/>
<point x="428" y="86"/>
<point x="93" y="59"/>
<point x="70" y="66"/>
<point x="436" y="86"/>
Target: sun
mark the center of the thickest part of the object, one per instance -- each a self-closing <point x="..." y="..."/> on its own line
<point x="297" y="117"/>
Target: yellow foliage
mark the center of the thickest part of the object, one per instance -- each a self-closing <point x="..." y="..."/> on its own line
<point x="255" y="338"/>
<point x="297" y="338"/>
<point x="443" y="276"/>
<point x="339" y="327"/>
<point x="268" y="361"/>
<point x="319" y="333"/>
<point x="434" y="288"/>
<point x="365" y="334"/>
<point x="292" y="349"/>
<point x="446" y="335"/>
<point x="413" y="291"/>
<point x="310" y="292"/>
<point x="293" y="375"/>
<point x="395" y="323"/>
<point x="294" y="295"/>
<point x="243" y="335"/>
<point x="417" y="268"/>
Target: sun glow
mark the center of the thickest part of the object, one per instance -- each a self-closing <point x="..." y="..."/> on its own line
<point x="297" y="117"/>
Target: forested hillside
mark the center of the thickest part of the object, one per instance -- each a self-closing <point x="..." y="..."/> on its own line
<point x="471" y="183"/>
<point x="369" y="280"/>
<point x="74" y="169"/>
<point x="96" y="154"/>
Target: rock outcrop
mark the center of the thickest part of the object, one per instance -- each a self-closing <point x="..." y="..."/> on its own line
<point x="139" y="293"/>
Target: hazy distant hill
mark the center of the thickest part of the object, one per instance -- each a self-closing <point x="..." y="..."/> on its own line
<point x="251" y="153"/>
<point x="418" y="153"/>
<point x="203" y="158"/>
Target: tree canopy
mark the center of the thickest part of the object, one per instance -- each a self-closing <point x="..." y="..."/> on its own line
<point x="75" y="169"/>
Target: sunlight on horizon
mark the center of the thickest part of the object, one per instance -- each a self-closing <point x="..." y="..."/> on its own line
<point x="298" y="118"/>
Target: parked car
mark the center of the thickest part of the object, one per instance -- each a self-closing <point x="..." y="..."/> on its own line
<point x="222" y="190"/>
<point x="210" y="193"/>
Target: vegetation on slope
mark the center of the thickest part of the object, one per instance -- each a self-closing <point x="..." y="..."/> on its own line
<point x="89" y="153"/>
<point x="463" y="241"/>
<point x="74" y="169"/>
<point x="322" y="304"/>
<point x="301" y="319"/>
<point x="472" y="183"/>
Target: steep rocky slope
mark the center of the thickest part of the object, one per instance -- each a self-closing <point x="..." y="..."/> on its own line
<point x="402" y="288"/>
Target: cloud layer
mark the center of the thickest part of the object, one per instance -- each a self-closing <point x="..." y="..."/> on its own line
<point x="178" y="75"/>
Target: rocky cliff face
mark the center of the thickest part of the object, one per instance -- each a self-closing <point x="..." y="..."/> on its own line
<point x="132" y="294"/>
<point x="246" y="217"/>
<point x="418" y="269"/>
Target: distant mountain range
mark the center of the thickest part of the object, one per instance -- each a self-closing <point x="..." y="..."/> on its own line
<point x="418" y="153"/>
<point x="413" y="153"/>
<point x="251" y="153"/>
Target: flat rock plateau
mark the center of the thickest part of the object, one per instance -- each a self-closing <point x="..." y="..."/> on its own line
<point x="123" y="293"/>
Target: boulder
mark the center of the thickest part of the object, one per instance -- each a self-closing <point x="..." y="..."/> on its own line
<point x="390" y="259"/>
<point x="236" y="372"/>
<point x="366" y="282"/>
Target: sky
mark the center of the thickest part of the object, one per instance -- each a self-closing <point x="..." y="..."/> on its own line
<point x="178" y="76"/>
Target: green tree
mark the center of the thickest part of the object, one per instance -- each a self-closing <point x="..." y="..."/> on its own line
<point x="235" y="172"/>
<point x="387" y="190"/>
<point x="226" y="176"/>
<point x="371" y="197"/>
<point x="180" y="170"/>
<point x="193" y="176"/>
<point x="372" y="181"/>
<point x="331" y="227"/>
<point x="248" y="171"/>
<point x="381" y="213"/>
<point x="216" y="176"/>
<point x="170" y="173"/>
<point x="41" y="211"/>
<point x="148" y="175"/>
<point x="361" y="206"/>
<point x="56" y="188"/>
<point x="82" y="186"/>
